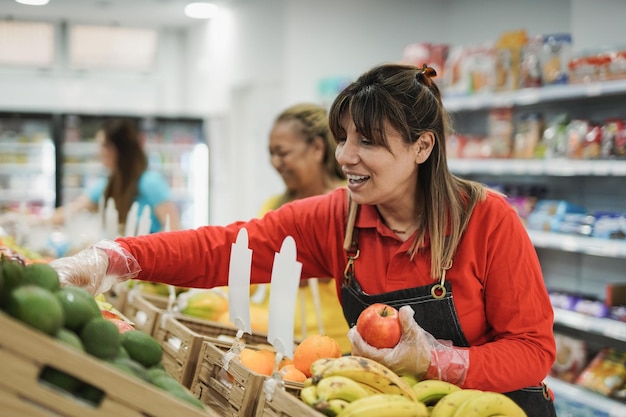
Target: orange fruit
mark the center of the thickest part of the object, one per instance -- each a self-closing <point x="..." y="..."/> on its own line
<point x="290" y="373"/>
<point x="255" y="360"/>
<point x="312" y="348"/>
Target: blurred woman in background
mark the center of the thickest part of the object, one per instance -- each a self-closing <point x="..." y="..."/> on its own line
<point x="302" y="151"/>
<point x="129" y="180"/>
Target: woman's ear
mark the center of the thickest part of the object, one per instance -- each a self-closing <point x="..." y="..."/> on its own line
<point x="424" y="146"/>
<point x="319" y="146"/>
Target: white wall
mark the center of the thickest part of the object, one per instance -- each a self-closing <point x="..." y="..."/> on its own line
<point x="242" y="68"/>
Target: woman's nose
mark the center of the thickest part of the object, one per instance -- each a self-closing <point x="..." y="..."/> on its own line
<point x="347" y="153"/>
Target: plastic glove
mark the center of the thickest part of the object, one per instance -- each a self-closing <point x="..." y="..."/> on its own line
<point x="418" y="352"/>
<point x="97" y="268"/>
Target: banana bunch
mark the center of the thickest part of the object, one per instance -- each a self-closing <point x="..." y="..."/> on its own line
<point x="337" y="383"/>
<point x="450" y="402"/>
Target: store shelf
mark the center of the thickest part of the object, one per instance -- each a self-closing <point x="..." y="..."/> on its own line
<point x="549" y="167"/>
<point x="46" y="196"/>
<point x="610" y="328"/>
<point x="572" y="393"/>
<point x="21" y="169"/>
<point x="579" y="244"/>
<point x="530" y="96"/>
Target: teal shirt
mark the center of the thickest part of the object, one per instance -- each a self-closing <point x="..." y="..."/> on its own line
<point x="153" y="190"/>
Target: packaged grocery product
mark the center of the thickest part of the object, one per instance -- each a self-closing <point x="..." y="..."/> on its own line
<point x="507" y="57"/>
<point x="500" y="132"/>
<point x="563" y="299"/>
<point x="584" y="139"/>
<point x="530" y="64"/>
<point x="609" y="225"/>
<point x="549" y="215"/>
<point x="606" y="374"/>
<point x="571" y="358"/>
<point x="591" y="307"/>
<point x="613" y="138"/>
<point x="555" y="57"/>
<point x="528" y="135"/>
<point x="554" y="140"/>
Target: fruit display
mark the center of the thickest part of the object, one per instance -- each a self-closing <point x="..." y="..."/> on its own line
<point x="356" y="386"/>
<point x="32" y="295"/>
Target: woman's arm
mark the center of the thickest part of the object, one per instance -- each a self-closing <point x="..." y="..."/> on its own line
<point x="165" y="210"/>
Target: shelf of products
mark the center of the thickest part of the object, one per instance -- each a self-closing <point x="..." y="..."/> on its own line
<point x="598" y="325"/>
<point x="27" y="163"/>
<point x="529" y="96"/>
<point x="553" y="167"/>
<point x="584" y="400"/>
<point x="576" y="261"/>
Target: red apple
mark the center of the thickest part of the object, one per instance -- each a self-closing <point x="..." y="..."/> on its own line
<point x="379" y="326"/>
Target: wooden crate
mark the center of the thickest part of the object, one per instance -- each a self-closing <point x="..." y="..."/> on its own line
<point x="285" y="403"/>
<point x="25" y="352"/>
<point x="235" y="394"/>
<point x="181" y="338"/>
<point x="144" y="310"/>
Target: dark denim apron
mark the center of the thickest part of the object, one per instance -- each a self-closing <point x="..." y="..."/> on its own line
<point x="435" y="313"/>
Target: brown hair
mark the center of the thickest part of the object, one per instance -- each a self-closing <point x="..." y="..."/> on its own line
<point x="123" y="184"/>
<point x="406" y="98"/>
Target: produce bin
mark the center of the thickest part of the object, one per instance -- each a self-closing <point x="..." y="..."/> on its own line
<point x="25" y="353"/>
<point x="285" y="403"/>
<point x="235" y="393"/>
<point x="181" y="338"/>
<point x="144" y="309"/>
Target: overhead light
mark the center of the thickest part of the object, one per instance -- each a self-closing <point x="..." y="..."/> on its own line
<point x="33" y="2"/>
<point x="200" y="10"/>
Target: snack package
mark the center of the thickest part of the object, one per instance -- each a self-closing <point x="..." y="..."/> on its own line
<point x="571" y="358"/>
<point x="606" y="374"/>
<point x="530" y="65"/>
<point x="508" y="53"/>
<point x="500" y="132"/>
<point x="555" y="57"/>
<point x="528" y="136"/>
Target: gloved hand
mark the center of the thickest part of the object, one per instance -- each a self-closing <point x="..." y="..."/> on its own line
<point x="418" y="352"/>
<point x="97" y="268"/>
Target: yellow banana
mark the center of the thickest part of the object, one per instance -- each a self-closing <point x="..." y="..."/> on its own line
<point x="309" y="395"/>
<point x="368" y="372"/>
<point x="388" y="405"/>
<point x="331" y="408"/>
<point x="430" y="391"/>
<point x="410" y="379"/>
<point x="489" y="404"/>
<point x="318" y="367"/>
<point x="340" y="387"/>
<point x="447" y="406"/>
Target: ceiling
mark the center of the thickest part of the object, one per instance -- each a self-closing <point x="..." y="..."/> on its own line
<point x="129" y="12"/>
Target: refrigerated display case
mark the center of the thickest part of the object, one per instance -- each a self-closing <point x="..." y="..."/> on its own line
<point x="27" y="163"/>
<point x="176" y="147"/>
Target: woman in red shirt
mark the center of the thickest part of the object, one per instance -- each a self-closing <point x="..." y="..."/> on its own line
<point x="452" y="255"/>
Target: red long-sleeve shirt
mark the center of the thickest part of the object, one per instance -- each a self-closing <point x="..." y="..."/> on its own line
<point x="498" y="288"/>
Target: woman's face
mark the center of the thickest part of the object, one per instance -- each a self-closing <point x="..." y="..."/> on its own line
<point x="297" y="161"/>
<point x="108" y="153"/>
<point x="377" y="175"/>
